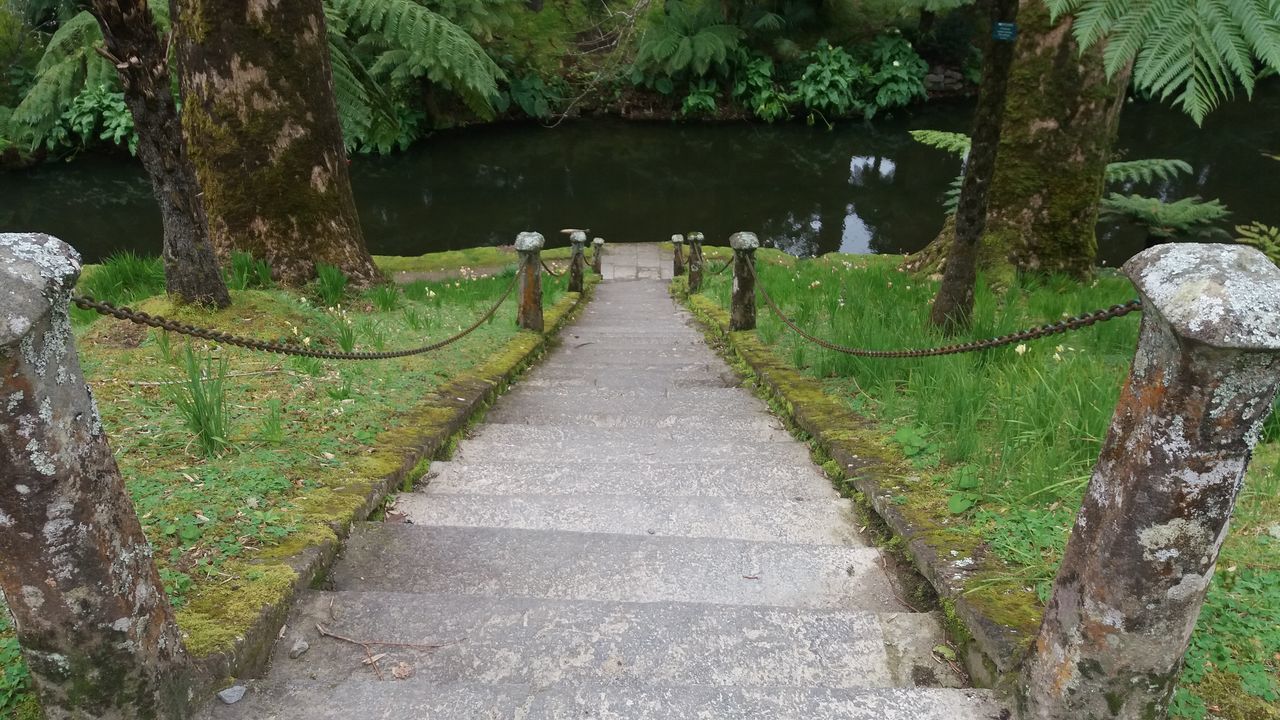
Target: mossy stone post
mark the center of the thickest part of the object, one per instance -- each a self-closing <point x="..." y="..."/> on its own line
<point x="742" y="311"/>
<point x="90" y="610"/>
<point x="577" y="239"/>
<point x="529" y="291"/>
<point x="695" y="261"/>
<point x="1146" y="540"/>
<point x="677" y="255"/>
<point x="597" y="254"/>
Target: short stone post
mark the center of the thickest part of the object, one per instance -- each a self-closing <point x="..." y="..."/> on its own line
<point x="529" y="288"/>
<point x="597" y="254"/>
<point x="695" y="261"/>
<point x="742" y="312"/>
<point x="576" y="265"/>
<point x="1147" y="536"/>
<point x="677" y="256"/>
<point x="90" y="610"/>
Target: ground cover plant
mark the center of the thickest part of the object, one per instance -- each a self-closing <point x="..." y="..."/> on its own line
<point x="1002" y="443"/>
<point x="233" y="457"/>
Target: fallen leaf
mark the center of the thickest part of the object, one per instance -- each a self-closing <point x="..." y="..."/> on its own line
<point x="402" y="671"/>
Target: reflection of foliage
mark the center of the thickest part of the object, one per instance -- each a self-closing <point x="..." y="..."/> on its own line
<point x="1195" y="51"/>
<point x="1264" y="237"/>
<point x="1189" y="217"/>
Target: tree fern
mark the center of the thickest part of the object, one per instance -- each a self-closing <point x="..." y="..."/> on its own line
<point x="421" y="43"/>
<point x="688" y="39"/>
<point x="1189" y="217"/>
<point x="1194" y="51"/>
<point x="69" y="65"/>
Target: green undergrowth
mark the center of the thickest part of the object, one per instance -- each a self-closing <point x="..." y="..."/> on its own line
<point x="304" y="441"/>
<point x="461" y="261"/>
<point x="1000" y="445"/>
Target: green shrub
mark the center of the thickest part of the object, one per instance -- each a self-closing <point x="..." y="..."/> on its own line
<point x="898" y="77"/>
<point x="755" y="88"/>
<point x="828" y="85"/>
<point x="687" y="40"/>
<point x="701" y="99"/>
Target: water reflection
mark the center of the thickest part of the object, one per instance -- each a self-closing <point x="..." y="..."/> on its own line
<point x="858" y="188"/>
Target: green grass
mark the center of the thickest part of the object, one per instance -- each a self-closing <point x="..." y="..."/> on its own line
<point x="122" y="278"/>
<point x="1007" y="439"/>
<point x="297" y="431"/>
<point x="460" y="260"/>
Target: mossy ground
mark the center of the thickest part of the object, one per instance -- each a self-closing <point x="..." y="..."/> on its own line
<point x="989" y="453"/>
<point x="308" y="440"/>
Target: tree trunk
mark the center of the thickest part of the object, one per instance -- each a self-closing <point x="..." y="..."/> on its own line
<point x="953" y="305"/>
<point x="1060" y="120"/>
<point x="140" y="56"/>
<point x="263" y="126"/>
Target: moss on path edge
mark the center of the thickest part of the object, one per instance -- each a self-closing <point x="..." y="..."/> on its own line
<point x="230" y="631"/>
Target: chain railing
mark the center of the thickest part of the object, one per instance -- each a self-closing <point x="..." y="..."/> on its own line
<point x="550" y="272"/>
<point x="1073" y="323"/>
<point x="163" y="323"/>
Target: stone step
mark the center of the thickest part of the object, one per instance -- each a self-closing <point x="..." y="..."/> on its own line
<point x="520" y="416"/>
<point x="558" y="437"/>
<point x="522" y="402"/>
<point x="633" y="446"/>
<point x="460" y="638"/>
<point x="658" y="479"/>
<point x="390" y="700"/>
<point x="657" y="381"/>
<point x="502" y="563"/>
<point x="775" y="519"/>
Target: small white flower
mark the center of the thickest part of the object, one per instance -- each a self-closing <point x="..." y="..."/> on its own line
<point x="1057" y="357"/>
<point x="1059" y="348"/>
<point x="1021" y="349"/>
<point x="897" y="64"/>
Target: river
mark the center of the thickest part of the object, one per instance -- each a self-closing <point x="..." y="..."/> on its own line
<point x="857" y="188"/>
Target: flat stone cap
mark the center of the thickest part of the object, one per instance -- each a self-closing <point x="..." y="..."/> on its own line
<point x="695" y="236"/>
<point x="1225" y="296"/>
<point x="577" y="236"/>
<point x="744" y="241"/>
<point x="598" y="241"/>
<point x="36" y="271"/>
<point x="677" y="238"/>
<point x="526" y="241"/>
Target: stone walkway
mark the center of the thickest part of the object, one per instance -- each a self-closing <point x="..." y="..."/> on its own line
<point x="628" y="536"/>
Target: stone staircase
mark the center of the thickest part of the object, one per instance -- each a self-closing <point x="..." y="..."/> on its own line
<point x="629" y="537"/>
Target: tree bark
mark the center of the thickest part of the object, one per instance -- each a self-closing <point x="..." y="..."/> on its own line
<point x="261" y="118"/>
<point x="141" y="59"/>
<point x="953" y="305"/>
<point x="1061" y="118"/>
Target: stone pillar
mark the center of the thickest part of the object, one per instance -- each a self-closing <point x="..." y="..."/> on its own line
<point x="529" y="288"/>
<point x="576" y="240"/>
<point x="90" y="611"/>
<point x="677" y="256"/>
<point x="597" y="254"/>
<point x="742" y="312"/>
<point x="1147" y="536"/>
<point x="695" y="261"/>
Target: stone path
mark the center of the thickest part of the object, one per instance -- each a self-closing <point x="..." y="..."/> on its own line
<point x="629" y="536"/>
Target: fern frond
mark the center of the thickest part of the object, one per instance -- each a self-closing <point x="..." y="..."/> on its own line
<point x="953" y="142"/>
<point x="1148" y="170"/>
<point x="1188" y="217"/>
<point x="1264" y="237"/>
<point x="1194" y="51"/>
<point x="423" y="43"/>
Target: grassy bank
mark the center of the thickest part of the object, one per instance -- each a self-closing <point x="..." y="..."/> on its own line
<point x="1001" y="445"/>
<point x="235" y="460"/>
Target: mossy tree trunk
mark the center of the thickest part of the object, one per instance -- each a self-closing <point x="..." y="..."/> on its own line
<point x="263" y="128"/>
<point x="139" y="53"/>
<point x="953" y="305"/>
<point x="1060" y="120"/>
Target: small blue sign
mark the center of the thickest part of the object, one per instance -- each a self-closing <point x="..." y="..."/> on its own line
<point x="1004" y="31"/>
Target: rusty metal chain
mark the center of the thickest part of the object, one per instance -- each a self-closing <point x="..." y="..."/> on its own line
<point x="721" y="269"/>
<point x="142" y="318"/>
<point x="1073" y="323"/>
<point x="547" y="267"/>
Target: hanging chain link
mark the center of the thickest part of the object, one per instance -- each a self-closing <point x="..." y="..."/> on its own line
<point x="547" y="267"/>
<point x="142" y="318"/>
<point x="721" y="269"/>
<point x="1073" y="323"/>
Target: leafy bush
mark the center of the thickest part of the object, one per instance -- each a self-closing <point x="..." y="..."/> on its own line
<point x="831" y="80"/>
<point x="898" y="78"/>
<point x="701" y="99"/>
<point x="97" y="113"/>
<point x="529" y="93"/>
<point x="688" y="40"/>
<point x="756" y="89"/>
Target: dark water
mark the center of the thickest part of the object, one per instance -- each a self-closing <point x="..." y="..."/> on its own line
<point x="858" y="188"/>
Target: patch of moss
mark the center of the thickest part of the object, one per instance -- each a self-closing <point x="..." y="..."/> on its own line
<point x="456" y="260"/>
<point x="217" y="617"/>
<point x="1224" y="697"/>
